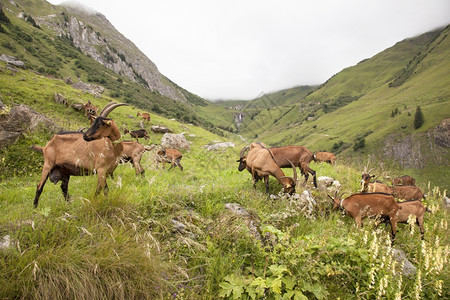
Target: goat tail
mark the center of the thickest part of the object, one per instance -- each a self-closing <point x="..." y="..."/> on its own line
<point x="37" y="148"/>
<point x="314" y="158"/>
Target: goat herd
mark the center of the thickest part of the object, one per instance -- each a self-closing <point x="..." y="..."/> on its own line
<point x="99" y="150"/>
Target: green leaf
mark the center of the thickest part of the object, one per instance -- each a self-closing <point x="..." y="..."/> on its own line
<point x="275" y="285"/>
<point x="289" y="282"/>
<point x="278" y="270"/>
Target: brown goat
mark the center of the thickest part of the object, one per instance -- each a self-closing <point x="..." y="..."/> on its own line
<point x="412" y="207"/>
<point x="132" y="152"/>
<point x="378" y="187"/>
<point x="359" y="206"/>
<point x="172" y="156"/>
<point x="407" y="192"/>
<point x="261" y="163"/>
<point x="328" y="157"/>
<point x="298" y="155"/>
<point x="140" y="133"/>
<point x="76" y="153"/>
<point x="89" y="109"/>
<point x="145" y="116"/>
<point x="404" y="180"/>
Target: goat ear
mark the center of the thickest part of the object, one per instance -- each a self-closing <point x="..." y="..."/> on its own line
<point x="109" y="122"/>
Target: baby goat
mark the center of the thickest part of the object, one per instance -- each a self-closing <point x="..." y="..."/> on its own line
<point x="172" y="156"/>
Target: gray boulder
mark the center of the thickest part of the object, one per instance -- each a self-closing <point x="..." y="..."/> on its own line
<point x="22" y="119"/>
<point x="220" y="145"/>
<point x="175" y="141"/>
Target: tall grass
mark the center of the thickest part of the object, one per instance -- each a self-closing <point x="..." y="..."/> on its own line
<point x="126" y="244"/>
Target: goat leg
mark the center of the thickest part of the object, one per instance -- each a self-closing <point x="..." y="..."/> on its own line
<point x="65" y="186"/>
<point x="313" y="173"/>
<point x="40" y="187"/>
<point x="266" y="182"/>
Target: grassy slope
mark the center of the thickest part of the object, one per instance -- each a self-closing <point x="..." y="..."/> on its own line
<point x="42" y="51"/>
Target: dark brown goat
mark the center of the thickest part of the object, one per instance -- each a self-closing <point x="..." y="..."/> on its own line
<point x="359" y="206"/>
<point x="132" y="152"/>
<point x="172" y="156"/>
<point x="75" y="154"/>
<point x="328" y="157"/>
<point x="404" y="180"/>
<point x="261" y="163"/>
<point x="140" y="133"/>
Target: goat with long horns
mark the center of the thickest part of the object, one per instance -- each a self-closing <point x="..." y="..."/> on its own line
<point x="77" y="153"/>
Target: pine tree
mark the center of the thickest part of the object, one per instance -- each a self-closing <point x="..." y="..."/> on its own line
<point x="418" y="118"/>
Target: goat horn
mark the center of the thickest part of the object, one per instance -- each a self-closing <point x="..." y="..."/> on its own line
<point x="294" y="169"/>
<point x="82" y="128"/>
<point x="109" y="107"/>
<point x="243" y="150"/>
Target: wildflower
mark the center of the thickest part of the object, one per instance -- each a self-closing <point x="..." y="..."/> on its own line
<point x="418" y="286"/>
<point x="411" y="221"/>
<point x="383" y="286"/>
<point x="372" y="277"/>
<point x="365" y="237"/>
<point x="439" y="287"/>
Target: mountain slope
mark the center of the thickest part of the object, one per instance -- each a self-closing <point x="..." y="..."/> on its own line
<point x="368" y="109"/>
<point x="62" y="43"/>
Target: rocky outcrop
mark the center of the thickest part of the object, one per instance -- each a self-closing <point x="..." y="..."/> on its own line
<point x="219" y="145"/>
<point x="12" y="61"/>
<point x="20" y="119"/>
<point x="175" y="141"/>
<point x="442" y="133"/>
<point x="95" y="36"/>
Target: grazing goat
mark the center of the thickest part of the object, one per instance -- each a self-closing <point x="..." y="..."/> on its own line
<point x="404" y="180"/>
<point x="405" y="192"/>
<point x="77" y="153"/>
<point x="298" y="155"/>
<point x="359" y="206"/>
<point x="412" y="207"/>
<point x="90" y="110"/>
<point x="140" y="133"/>
<point x="172" y="156"/>
<point x="328" y="157"/>
<point x="260" y="161"/>
<point x="132" y="152"/>
<point x="145" y="116"/>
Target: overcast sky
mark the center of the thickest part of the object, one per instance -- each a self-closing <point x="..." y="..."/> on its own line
<point x="240" y="49"/>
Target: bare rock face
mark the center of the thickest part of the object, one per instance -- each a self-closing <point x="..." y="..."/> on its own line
<point x="442" y="133"/>
<point x="175" y="141"/>
<point x="21" y="119"/>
